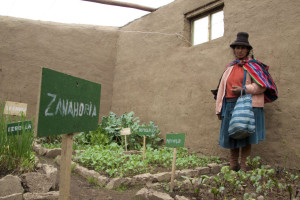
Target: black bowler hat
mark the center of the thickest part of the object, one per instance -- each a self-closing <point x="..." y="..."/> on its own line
<point x="241" y="40"/>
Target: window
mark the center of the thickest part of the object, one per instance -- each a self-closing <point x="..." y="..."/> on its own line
<point x="207" y="22"/>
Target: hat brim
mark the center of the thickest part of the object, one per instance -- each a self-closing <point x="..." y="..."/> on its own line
<point x="240" y="44"/>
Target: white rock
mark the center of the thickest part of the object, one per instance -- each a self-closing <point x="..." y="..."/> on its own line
<point x="37" y="182"/>
<point x="159" y="195"/>
<point x="161" y="177"/>
<point x="203" y="170"/>
<point x="142" y="194"/>
<point x="51" y="173"/>
<point x="115" y="183"/>
<point x="177" y="197"/>
<point x="260" y="197"/>
<point x="214" y="168"/>
<point x="10" y="187"/>
<point x="52" y="153"/>
<point x="143" y="178"/>
<point x="42" y="196"/>
<point x="187" y="172"/>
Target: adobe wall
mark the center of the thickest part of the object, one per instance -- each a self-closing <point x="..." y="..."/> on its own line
<point x="162" y="78"/>
<point x="85" y="51"/>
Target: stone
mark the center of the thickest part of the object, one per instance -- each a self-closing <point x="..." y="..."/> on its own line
<point x="186" y="172"/>
<point x="53" y="195"/>
<point x="36" y="147"/>
<point x="142" y="194"/>
<point x="115" y="183"/>
<point x="11" y="188"/>
<point x="86" y="172"/>
<point x="52" y="153"/>
<point x="177" y="197"/>
<point x="39" y="149"/>
<point x="203" y="170"/>
<point x="187" y="185"/>
<point x="102" y="180"/>
<point x="37" y="182"/>
<point x="161" y="177"/>
<point x="18" y="196"/>
<point x="51" y="173"/>
<point x="155" y="195"/>
<point x="143" y="178"/>
<point x="260" y="197"/>
<point x="214" y="168"/>
<point x="152" y="185"/>
<point x="57" y="160"/>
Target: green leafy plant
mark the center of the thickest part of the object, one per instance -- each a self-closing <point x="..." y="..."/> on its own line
<point x="109" y="132"/>
<point x="198" y="185"/>
<point x="254" y="163"/>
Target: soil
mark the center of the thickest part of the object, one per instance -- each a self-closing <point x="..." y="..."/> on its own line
<point x="81" y="189"/>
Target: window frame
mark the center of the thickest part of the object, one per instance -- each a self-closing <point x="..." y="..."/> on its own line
<point x="201" y="12"/>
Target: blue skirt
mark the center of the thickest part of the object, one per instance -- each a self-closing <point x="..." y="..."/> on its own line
<point x="226" y="142"/>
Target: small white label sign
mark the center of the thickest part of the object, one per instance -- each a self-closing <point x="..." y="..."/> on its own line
<point x="125" y="131"/>
<point x="15" y="108"/>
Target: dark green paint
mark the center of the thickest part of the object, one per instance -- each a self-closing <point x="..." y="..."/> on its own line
<point x="145" y="130"/>
<point x="175" y="140"/>
<point x="56" y="115"/>
<point x="19" y="127"/>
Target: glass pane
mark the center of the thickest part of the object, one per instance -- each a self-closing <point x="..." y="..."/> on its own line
<point x="217" y="25"/>
<point x="200" y="30"/>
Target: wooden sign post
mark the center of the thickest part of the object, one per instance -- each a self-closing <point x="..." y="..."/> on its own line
<point x="174" y="140"/>
<point x="67" y="105"/>
<point x="15" y="108"/>
<point x="125" y="131"/>
<point x="145" y="130"/>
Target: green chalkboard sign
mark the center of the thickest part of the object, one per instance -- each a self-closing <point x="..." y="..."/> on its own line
<point x="145" y="130"/>
<point x="67" y="104"/>
<point x="175" y="140"/>
<point x="19" y="127"/>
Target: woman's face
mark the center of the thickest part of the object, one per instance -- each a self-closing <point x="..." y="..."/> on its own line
<point x="241" y="52"/>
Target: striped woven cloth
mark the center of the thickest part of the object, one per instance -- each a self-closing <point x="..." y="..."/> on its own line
<point x="260" y="74"/>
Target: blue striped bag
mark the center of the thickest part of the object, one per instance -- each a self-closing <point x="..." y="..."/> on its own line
<point x="242" y="123"/>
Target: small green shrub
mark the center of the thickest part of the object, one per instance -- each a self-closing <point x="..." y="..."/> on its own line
<point x="109" y="132"/>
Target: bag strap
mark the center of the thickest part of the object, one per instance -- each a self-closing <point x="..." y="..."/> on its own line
<point x="244" y="82"/>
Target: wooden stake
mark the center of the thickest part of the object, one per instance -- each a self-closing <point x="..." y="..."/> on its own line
<point x="123" y="4"/>
<point x="125" y="144"/>
<point x="144" y="147"/>
<point x="173" y="170"/>
<point x="65" y="167"/>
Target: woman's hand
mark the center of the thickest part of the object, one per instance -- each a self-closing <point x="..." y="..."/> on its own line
<point x="236" y="89"/>
<point x="219" y="116"/>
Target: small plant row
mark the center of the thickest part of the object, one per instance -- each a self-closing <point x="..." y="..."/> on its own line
<point x="109" y="132"/>
<point x="110" y="160"/>
<point x="260" y="181"/>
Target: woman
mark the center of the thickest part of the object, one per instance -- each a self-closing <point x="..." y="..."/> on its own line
<point x="258" y="83"/>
